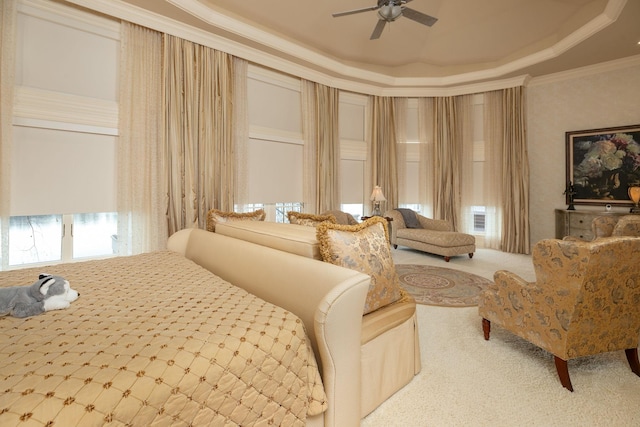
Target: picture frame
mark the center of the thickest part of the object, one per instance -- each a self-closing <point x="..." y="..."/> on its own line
<point x="601" y="165"/>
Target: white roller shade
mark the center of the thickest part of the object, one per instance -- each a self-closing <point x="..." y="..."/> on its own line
<point x="58" y="172"/>
<point x="275" y="172"/>
<point x="352" y="181"/>
<point x="412" y="195"/>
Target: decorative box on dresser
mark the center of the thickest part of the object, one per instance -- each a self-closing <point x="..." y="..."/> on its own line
<point x="578" y="223"/>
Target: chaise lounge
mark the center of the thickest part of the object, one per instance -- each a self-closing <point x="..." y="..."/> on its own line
<point x="435" y="236"/>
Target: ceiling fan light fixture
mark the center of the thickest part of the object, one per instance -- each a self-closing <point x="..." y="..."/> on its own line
<point x="390" y="12"/>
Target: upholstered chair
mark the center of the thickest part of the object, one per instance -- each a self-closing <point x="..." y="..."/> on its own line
<point x="607" y="226"/>
<point x="585" y="300"/>
<point x="343" y="218"/>
<point x="602" y="226"/>
<point x="628" y="225"/>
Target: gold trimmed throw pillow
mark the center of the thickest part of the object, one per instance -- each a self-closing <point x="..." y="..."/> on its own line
<point x="215" y="216"/>
<point x="363" y="247"/>
<point x="309" y="220"/>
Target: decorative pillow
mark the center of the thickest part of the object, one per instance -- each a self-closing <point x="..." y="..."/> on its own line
<point x="365" y="248"/>
<point x="309" y="220"/>
<point x="215" y="216"/>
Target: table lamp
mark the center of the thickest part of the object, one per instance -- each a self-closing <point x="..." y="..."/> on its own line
<point x="377" y="197"/>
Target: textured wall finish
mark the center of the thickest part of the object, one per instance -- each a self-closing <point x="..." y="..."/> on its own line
<point x="607" y="99"/>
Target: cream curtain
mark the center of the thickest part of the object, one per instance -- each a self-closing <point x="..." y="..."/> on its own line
<point x="198" y="131"/>
<point x="426" y="168"/>
<point x="322" y="147"/>
<point x="401" y="106"/>
<point x="506" y="171"/>
<point x="7" y="76"/>
<point x="447" y="137"/>
<point x="142" y="223"/>
<point x="467" y="176"/>
<point x="241" y="132"/>
<point x="382" y="155"/>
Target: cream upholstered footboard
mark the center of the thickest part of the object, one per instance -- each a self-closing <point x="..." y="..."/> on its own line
<point x="327" y="298"/>
<point x="390" y="349"/>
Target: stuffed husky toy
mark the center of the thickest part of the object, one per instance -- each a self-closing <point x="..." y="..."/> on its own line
<point x="48" y="293"/>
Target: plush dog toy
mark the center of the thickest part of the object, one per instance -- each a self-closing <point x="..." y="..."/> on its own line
<point x="48" y="293"/>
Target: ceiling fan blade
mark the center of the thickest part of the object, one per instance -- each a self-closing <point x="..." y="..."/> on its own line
<point x="351" y="12"/>
<point x="377" y="31"/>
<point x="419" y="17"/>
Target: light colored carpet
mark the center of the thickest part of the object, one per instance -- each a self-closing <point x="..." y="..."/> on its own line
<point x="446" y="287"/>
<point x="467" y="381"/>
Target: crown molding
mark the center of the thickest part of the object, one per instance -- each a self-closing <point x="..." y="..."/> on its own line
<point x="605" y="67"/>
<point x="212" y="17"/>
<point x="334" y="73"/>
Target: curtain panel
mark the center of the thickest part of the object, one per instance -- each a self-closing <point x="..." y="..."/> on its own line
<point x="506" y="171"/>
<point x="198" y="132"/>
<point x="142" y="224"/>
<point x="241" y="132"/>
<point x="447" y="149"/>
<point x="322" y="147"/>
<point x="383" y="156"/>
<point x="401" y="106"/>
<point x="8" y="11"/>
<point x="426" y="168"/>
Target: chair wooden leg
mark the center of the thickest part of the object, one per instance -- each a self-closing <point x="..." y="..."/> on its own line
<point x="632" y="357"/>
<point x="470" y="254"/>
<point x="486" y="328"/>
<point x="447" y="258"/>
<point x="563" y="373"/>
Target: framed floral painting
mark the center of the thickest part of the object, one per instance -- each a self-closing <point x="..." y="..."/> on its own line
<point x="602" y="164"/>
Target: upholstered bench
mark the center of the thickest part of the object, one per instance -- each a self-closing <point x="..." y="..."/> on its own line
<point x="390" y="352"/>
<point x="433" y="236"/>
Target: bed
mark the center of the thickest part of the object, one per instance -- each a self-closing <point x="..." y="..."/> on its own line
<point x="158" y="339"/>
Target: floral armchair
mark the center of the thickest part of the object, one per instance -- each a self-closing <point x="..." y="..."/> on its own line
<point x="628" y="225"/>
<point x="585" y="300"/>
<point x="607" y="226"/>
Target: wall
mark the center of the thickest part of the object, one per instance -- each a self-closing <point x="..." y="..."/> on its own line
<point x="578" y="100"/>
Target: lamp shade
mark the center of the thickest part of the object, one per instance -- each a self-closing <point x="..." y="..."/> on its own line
<point x="377" y="195"/>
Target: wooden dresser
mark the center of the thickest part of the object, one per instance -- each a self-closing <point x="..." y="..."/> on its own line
<point x="578" y="223"/>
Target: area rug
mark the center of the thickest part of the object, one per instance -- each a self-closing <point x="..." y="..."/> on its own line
<point x="441" y="286"/>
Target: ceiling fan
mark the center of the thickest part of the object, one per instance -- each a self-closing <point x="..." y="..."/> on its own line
<point x="389" y="11"/>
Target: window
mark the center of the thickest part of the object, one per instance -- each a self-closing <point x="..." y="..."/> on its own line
<point x="413" y="206"/>
<point x="283" y="208"/>
<point x="73" y="146"/>
<point x="274" y="211"/>
<point x="355" y="209"/>
<point x="35" y="239"/>
<point x="94" y="234"/>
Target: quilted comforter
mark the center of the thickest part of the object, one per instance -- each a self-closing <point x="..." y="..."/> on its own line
<point x="155" y="339"/>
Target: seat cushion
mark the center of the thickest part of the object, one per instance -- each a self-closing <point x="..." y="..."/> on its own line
<point x="437" y="238"/>
<point x="365" y="248"/>
<point x="388" y="317"/>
